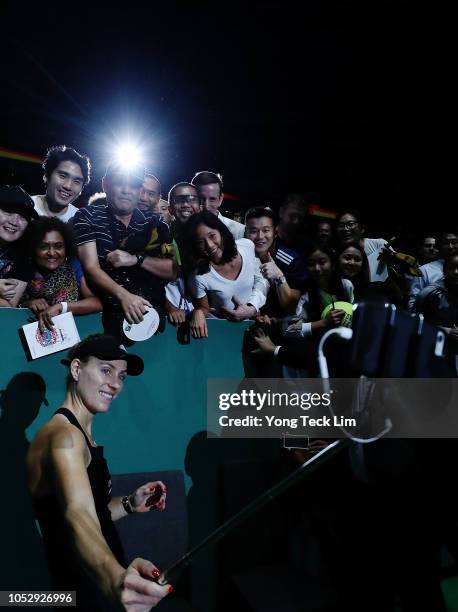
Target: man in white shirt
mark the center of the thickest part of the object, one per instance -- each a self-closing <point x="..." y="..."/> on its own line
<point x="433" y="272"/>
<point x="66" y="173"/>
<point x="210" y="189"/>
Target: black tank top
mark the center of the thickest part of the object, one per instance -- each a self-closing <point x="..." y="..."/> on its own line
<point x="66" y="573"/>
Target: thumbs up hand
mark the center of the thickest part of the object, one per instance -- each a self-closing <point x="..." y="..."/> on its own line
<point x="270" y="270"/>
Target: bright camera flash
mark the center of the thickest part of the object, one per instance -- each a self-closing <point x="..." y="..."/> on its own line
<point x="128" y="156"/>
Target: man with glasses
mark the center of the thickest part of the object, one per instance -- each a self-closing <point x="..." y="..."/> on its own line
<point x="184" y="202"/>
<point x="433" y="272"/>
<point x="350" y="230"/>
<point x="126" y="254"/>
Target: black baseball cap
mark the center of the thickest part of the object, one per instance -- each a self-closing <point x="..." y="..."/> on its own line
<point x="107" y="348"/>
<point x="116" y="170"/>
<point x="14" y="199"/>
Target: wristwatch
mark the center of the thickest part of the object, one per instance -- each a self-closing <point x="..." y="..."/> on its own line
<point x="140" y="259"/>
<point x="280" y="280"/>
<point x="126" y="504"/>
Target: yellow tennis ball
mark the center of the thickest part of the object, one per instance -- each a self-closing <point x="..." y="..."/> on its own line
<point x="346" y="321"/>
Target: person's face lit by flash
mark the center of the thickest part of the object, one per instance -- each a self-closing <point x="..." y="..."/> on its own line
<point x="150" y="194"/>
<point x="211" y="197"/>
<point x="65" y="184"/>
<point x="98" y="382"/>
<point x="122" y="193"/>
<point x="12" y="226"/>
<point x="163" y="210"/>
<point x="50" y="252"/>
<point x="261" y="231"/>
<point x="210" y="243"/>
<point x="184" y="202"/>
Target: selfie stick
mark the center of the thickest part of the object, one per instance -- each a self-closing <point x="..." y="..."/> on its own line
<point x="173" y="574"/>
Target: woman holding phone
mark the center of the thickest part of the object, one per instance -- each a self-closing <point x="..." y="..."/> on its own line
<point x="71" y="489"/>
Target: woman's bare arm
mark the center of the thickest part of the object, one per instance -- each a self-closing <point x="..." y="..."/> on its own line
<point x="69" y="479"/>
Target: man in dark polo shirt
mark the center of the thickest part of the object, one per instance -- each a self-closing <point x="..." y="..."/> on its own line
<point x="16" y="212"/>
<point x="280" y="265"/>
<point x="126" y="253"/>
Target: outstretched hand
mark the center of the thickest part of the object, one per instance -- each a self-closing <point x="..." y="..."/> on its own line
<point x="136" y="590"/>
<point x="263" y="341"/>
<point x="150" y="496"/>
<point x="387" y="252"/>
<point x="134" y="307"/>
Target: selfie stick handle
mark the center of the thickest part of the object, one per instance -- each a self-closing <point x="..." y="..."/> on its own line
<point x="172" y="574"/>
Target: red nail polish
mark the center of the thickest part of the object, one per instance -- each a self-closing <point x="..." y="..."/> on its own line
<point x="156" y="573"/>
<point x="170" y="589"/>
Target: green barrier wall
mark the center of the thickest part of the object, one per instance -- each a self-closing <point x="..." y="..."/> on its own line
<point x="148" y="428"/>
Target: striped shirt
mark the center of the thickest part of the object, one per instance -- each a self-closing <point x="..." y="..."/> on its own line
<point x="293" y="267"/>
<point x="145" y="233"/>
<point x="291" y="264"/>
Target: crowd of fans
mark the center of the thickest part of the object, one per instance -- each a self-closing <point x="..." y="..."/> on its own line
<point x="130" y="249"/>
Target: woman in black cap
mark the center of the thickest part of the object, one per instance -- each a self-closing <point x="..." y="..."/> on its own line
<point x="71" y="489"/>
<point x="16" y="212"/>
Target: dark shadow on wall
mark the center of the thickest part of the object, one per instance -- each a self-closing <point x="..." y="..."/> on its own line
<point x="23" y="562"/>
<point x="226" y="475"/>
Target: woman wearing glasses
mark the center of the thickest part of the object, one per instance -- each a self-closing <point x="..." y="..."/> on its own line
<point x="350" y="230"/>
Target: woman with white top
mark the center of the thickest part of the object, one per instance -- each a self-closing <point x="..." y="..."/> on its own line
<point x="226" y="281"/>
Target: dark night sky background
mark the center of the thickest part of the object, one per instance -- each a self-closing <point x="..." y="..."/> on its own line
<point x="324" y="98"/>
